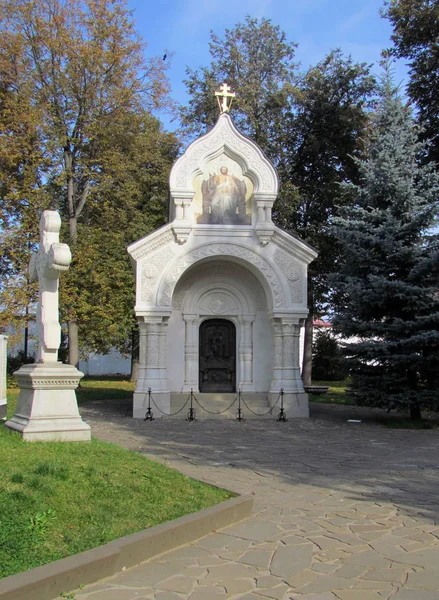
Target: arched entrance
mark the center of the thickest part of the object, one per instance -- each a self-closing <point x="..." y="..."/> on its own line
<point x="217" y="352"/>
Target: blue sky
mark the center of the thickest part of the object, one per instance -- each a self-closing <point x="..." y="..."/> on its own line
<point x="182" y="27"/>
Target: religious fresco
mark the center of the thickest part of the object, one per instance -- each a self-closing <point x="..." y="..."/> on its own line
<point x="222" y="195"/>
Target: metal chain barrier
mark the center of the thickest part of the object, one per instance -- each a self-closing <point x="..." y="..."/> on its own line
<point x="282" y="416"/>
<point x="268" y="411"/>
<point x="149" y="416"/>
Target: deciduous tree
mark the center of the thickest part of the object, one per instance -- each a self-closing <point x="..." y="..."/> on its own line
<point x="83" y="68"/>
<point x="415" y="36"/>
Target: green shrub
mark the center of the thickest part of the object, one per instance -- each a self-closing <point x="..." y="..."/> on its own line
<point x="17" y="361"/>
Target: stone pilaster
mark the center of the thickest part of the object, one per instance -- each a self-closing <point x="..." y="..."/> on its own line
<point x="276" y="383"/>
<point x="152" y="366"/>
<point x="291" y="380"/>
<point x="245" y="351"/>
<point x="286" y="368"/>
<point x="191" y="351"/>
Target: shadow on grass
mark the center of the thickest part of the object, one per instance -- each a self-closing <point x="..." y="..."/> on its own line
<point x="117" y="391"/>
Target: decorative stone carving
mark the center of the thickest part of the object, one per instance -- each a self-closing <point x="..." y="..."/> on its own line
<point x="225" y="271"/>
<point x="217" y="250"/>
<point x="219" y="303"/>
<point x="224" y="135"/>
<point x="294" y="273"/>
<point x="150" y="274"/>
<point x="47" y="409"/>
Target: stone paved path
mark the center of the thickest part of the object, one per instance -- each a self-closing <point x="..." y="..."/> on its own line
<point x="343" y="511"/>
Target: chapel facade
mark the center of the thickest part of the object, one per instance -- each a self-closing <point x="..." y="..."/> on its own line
<point x="221" y="292"/>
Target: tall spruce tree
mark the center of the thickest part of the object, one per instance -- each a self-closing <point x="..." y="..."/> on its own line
<point x="385" y="293"/>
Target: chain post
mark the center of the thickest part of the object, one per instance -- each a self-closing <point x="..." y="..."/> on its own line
<point x="282" y="416"/>
<point x="239" y="413"/>
<point x="149" y="416"/>
<point x="191" y="412"/>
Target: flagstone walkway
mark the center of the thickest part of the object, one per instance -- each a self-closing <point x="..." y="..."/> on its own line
<point x="343" y="511"/>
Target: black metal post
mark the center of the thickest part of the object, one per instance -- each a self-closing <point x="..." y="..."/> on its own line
<point x="149" y="414"/>
<point x="239" y="413"/>
<point x="282" y="416"/>
<point x="191" y="413"/>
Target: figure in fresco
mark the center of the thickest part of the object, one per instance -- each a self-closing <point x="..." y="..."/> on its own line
<point x="224" y="200"/>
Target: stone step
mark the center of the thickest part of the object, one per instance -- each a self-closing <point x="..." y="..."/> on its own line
<point x="221" y="403"/>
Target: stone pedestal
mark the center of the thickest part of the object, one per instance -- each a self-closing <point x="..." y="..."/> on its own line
<point x="3" y="375"/>
<point x="47" y="410"/>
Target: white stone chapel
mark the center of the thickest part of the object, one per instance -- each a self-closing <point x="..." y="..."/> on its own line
<point x="220" y="290"/>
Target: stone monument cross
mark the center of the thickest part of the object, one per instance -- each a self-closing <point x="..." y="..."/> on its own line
<point x="45" y="266"/>
<point x="224" y="92"/>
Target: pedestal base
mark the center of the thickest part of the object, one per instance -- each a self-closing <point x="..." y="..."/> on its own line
<point x="161" y="401"/>
<point x="3" y="409"/>
<point x="295" y="404"/>
<point x="47" y="410"/>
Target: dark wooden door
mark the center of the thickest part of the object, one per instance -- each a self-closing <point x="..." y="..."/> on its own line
<point x="217" y="356"/>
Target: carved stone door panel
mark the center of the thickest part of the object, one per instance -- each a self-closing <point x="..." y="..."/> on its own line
<point x="217" y="356"/>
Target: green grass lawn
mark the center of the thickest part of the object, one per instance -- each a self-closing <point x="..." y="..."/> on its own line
<point x="58" y="499"/>
<point x="337" y="393"/>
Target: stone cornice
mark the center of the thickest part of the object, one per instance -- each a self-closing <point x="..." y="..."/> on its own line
<point x="151" y="242"/>
<point x="294" y="246"/>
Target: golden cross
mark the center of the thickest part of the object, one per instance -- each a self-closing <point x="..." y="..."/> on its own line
<point x="224" y="92"/>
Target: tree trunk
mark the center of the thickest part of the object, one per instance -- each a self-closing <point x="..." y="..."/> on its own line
<point x="307" y="350"/>
<point x="73" y="343"/>
<point x="415" y="409"/>
<point x="134" y="354"/>
<point x="26" y="333"/>
<point x="73" y="235"/>
<point x="415" y="412"/>
<point x="307" y="343"/>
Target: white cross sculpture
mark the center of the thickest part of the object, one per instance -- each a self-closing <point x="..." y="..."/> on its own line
<point x="46" y="265"/>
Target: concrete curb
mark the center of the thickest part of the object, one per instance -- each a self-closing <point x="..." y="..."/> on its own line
<point x="49" y="581"/>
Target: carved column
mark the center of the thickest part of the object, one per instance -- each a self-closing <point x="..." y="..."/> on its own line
<point x="179" y="210"/>
<point x="245" y="350"/>
<point x="264" y="224"/>
<point x="276" y="383"/>
<point x="186" y="209"/>
<point x="261" y="212"/>
<point x="152" y="355"/>
<point x="141" y="385"/>
<point x="296" y="358"/>
<point x="191" y="367"/>
<point x="163" y="354"/>
<point x="182" y="224"/>
<point x="153" y="368"/>
<point x="291" y="380"/>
